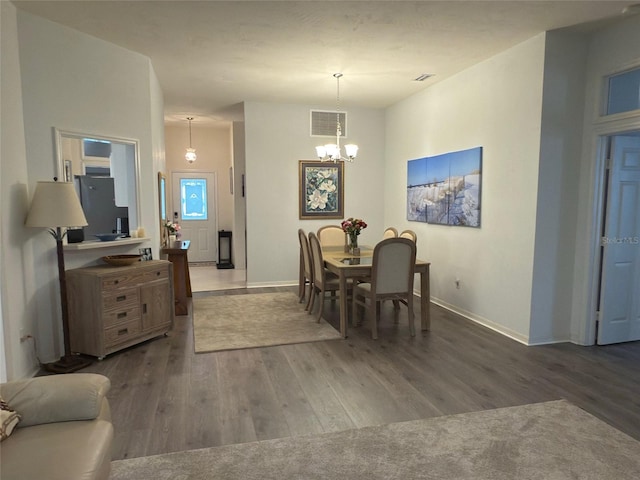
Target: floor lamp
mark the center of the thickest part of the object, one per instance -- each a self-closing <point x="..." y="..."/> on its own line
<point x="55" y="205"/>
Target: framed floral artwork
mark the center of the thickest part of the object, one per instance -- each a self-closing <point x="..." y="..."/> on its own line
<point x="321" y="189"/>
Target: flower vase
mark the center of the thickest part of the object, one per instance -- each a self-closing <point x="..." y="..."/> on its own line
<point x="172" y="238"/>
<point x="353" y="244"/>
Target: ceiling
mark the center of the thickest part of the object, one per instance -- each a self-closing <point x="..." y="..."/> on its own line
<point x="211" y="55"/>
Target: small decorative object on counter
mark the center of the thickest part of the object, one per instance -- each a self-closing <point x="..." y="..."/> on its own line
<point x="172" y="231"/>
<point x="352" y="227"/>
<point x="172" y="227"/>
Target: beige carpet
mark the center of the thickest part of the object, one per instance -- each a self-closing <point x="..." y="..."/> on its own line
<point x="231" y="322"/>
<point x="544" y="441"/>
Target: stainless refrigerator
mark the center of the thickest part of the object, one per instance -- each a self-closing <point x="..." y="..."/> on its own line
<point x="97" y="196"/>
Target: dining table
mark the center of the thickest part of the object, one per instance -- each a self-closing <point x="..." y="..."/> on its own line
<point x="349" y="265"/>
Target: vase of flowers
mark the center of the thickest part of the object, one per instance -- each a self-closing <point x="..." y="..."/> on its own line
<point x="173" y="230"/>
<point x="352" y="227"/>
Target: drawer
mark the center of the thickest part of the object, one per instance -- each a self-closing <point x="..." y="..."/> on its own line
<point x="128" y="278"/>
<point x="158" y="274"/>
<point x="120" y="299"/>
<point x="119" y="316"/>
<point x="122" y="333"/>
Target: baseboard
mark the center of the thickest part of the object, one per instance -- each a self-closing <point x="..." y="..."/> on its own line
<point x="271" y="284"/>
<point x="518" y="337"/>
<point x="499" y="328"/>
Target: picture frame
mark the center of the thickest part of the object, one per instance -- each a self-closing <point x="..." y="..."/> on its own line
<point x="162" y="207"/>
<point x="446" y="189"/>
<point x="321" y="190"/>
<point x="145" y="254"/>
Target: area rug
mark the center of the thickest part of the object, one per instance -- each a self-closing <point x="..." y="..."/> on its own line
<point x="230" y="322"/>
<point x="551" y="440"/>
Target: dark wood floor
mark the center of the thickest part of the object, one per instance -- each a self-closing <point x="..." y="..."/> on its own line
<point x="165" y="398"/>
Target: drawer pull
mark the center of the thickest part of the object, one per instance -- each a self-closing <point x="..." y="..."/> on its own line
<point x="116" y="282"/>
<point x="121" y="298"/>
<point x="123" y="331"/>
<point x="144" y="308"/>
<point x="158" y="274"/>
<point x="122" y="315"/>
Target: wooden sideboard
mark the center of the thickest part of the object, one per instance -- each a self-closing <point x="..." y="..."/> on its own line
<point x="111" y="308"/>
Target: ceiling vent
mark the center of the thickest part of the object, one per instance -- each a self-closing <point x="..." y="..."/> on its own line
<point x="323" y="123"/>
<point x="423" y="77"/>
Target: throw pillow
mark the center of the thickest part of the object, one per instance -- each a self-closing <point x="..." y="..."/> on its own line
<point x="9" y="419"/>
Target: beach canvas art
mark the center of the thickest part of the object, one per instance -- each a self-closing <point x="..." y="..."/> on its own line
<point x="445" y="189"/>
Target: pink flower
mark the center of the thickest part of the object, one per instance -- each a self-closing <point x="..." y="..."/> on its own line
<point x="352" y="226"/>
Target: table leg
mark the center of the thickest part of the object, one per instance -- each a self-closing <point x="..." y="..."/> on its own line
<point x="343" y="305"/>
<point x="187" y="277"/>
<point x="179" y="284"/>
<point x="425" y="300"/>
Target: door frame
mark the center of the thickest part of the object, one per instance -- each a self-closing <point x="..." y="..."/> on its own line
<point x="611" y="191"/>
<point x="213" y="198"/>
<point x="586" y="314"/>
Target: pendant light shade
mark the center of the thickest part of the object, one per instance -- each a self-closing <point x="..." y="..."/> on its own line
<point x="190" y="156"/>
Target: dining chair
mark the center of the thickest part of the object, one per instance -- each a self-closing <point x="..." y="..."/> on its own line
<point x="332" y="236"/>
<point x="306" y="269"/>
<point x="410" y="234"/>
<point x="392" y="275"/>
<point x="323" y="280"/>
<point x="390" y="232"/>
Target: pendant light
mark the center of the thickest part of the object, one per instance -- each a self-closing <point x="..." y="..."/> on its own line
<point x="190" y="156"/>
<point x="331" y="151"/>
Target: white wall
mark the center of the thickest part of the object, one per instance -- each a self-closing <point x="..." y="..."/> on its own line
<point x="75" y="82"/>
<point x="562" y="112"/>
<point x="276" y="138"/>
<point x="16" y="261"/>
<point x="497" y="105"/>
<point x="239" y="254"/>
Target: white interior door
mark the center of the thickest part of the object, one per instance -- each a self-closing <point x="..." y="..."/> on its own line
<point x="620" y="288"/>
<point x="194" y="208"/>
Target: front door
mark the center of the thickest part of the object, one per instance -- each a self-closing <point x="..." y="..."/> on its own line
<point x="194" y="208"/>
<point x="620" y="274"/>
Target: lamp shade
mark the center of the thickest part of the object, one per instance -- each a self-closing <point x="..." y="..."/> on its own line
<point x="191" y="156"/>
<point x="351" y="150"/>
<point x="55" y="204"/>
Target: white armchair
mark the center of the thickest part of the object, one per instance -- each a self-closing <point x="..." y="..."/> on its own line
<point x="65" y="431"/>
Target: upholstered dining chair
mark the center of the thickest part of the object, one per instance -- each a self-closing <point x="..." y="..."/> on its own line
<point x="332" y="236"/>
<point x="306" y="269"/>
<point x="392" y="275"/>
<point x="323" y="280"/>
<point x="390" y="232"/>
<point x="410" y="234"/>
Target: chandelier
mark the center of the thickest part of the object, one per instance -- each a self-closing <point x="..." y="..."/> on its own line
<point x="331" y="151"/>
<point x="190" y="156"/>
